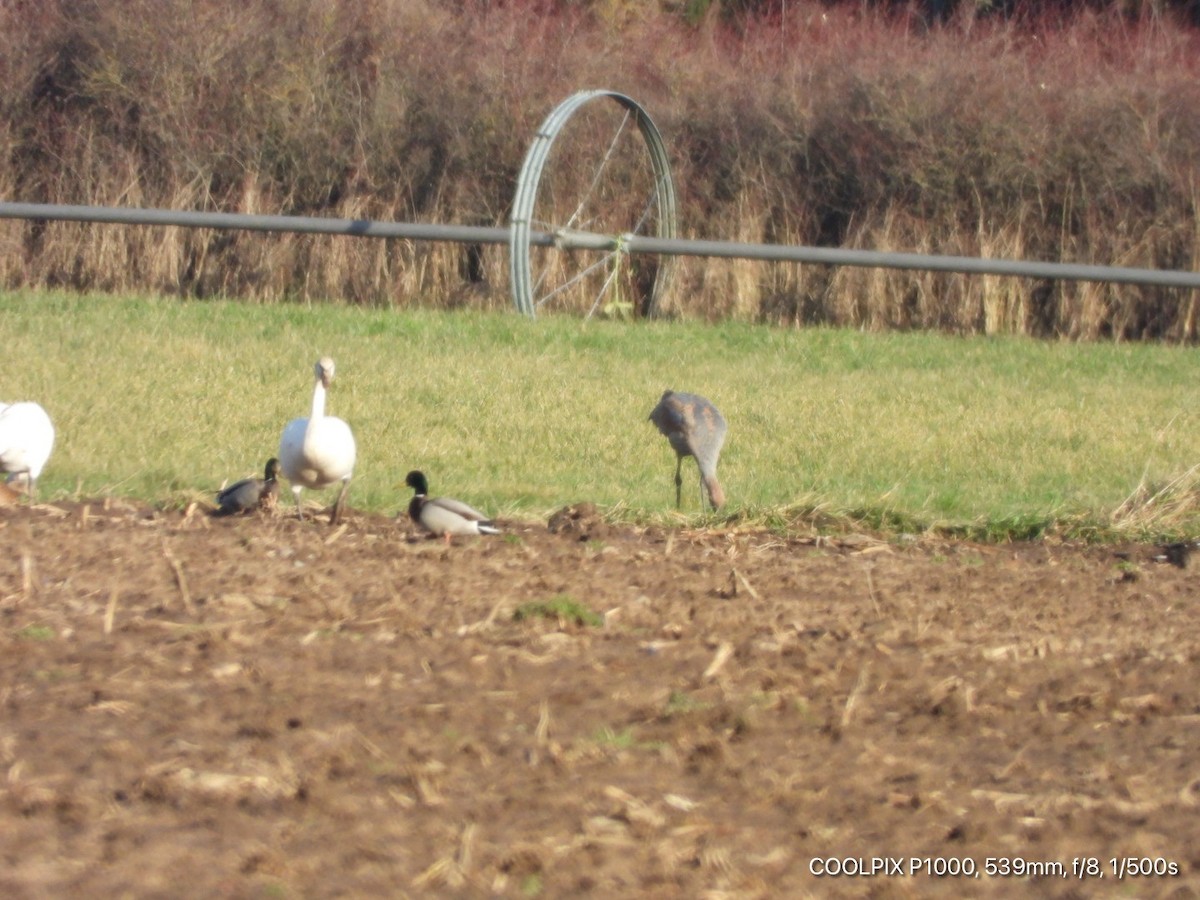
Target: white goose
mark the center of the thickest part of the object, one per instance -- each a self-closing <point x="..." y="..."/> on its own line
<point x="317" y="451"/>
<point x="26" y="439"/>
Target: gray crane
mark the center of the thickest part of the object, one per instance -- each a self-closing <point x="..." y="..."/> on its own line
<point x="695" y="428"/>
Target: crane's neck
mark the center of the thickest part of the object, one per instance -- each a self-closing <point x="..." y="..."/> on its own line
<point x="716" y="496"/>
<point x="318" y="404"/>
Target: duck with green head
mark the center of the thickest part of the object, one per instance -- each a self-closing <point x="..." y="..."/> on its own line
<point x="250" y="493"/>
<point x="444" y="516"/>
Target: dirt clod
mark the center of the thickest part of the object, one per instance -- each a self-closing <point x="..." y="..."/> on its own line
<point x="582" y="520"/>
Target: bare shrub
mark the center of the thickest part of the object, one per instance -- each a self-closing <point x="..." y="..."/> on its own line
<point x="1061" y="137"/>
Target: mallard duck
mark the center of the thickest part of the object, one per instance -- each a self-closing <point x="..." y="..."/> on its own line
<point x="26" y="439"/>
<point x="1176" y="553"/>
<point x="250" y="493"/>
<point x="320" y="450"/>
<point x="442" y="515"/>
<point x="695" y="428"/>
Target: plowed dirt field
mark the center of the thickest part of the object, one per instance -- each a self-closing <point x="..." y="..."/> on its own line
<point x="263" y="707"/>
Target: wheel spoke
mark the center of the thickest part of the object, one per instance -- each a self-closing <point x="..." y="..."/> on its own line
<point x="650" y="207"/>
<point x="577" y="277"/>
<point x="603" y="289"/>
<point x="553" y="227"/>
<point x="570" y="223"/>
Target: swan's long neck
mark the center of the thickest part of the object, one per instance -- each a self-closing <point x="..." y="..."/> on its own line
<point x="318" y="404"/>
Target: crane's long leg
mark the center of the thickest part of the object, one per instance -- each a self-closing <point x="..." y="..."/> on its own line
<point x="299" y="508"/>
<point x="678" y="481"/>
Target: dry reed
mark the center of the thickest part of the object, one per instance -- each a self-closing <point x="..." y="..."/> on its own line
<point x="1055" y="137"/>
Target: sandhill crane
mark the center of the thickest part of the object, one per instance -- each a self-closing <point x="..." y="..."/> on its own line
<point x="250" y="493"/>
<point x="442" y="515"/>
<point x="695" y="428"/>
<point x="26" y="439"/>
<point x="320" y="450"/>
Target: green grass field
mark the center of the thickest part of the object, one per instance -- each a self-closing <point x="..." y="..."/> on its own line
<point x="164" y="399"/>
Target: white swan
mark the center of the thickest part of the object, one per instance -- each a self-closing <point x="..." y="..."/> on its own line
<point x="317" y="451"/>
<point x="26" y="439"/>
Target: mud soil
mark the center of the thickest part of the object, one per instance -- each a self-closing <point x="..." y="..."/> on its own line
<point x="259" y="707"/>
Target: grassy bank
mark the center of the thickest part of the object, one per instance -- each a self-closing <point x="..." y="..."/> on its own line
<point x="164" y="399"/>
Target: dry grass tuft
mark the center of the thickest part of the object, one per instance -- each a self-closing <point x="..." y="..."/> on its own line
<point x="1161" y="508"/>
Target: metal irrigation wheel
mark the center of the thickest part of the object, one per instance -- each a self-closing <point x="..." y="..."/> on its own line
<point x="581" y="192"/>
